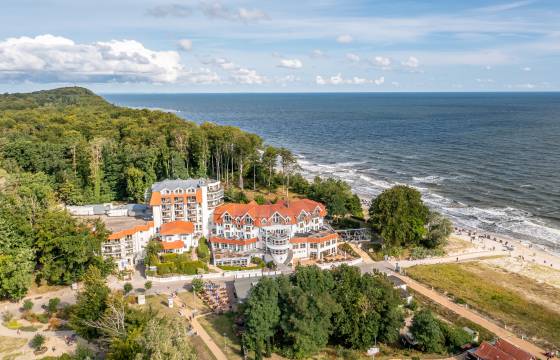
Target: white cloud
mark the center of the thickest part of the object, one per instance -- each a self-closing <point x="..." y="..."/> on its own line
<point x="212" y="9"/>
<point x="352" y="57"/>
<point x="338" y="79"/>
<point x="382" y="62"/>
<point x="48" y="58"/>
<point x="526" y="68"/>
<point x="185" y="44"/>
<point x="344" y="39"/>
<point x="290" y="63"/>
<point x="317" y="53"/>
<point x="170" y="10"/>
<point x="505" y="6"/>
<point x="217" y="10"/>
<point x="248" y="77"/>
<point x="411" y="63"/>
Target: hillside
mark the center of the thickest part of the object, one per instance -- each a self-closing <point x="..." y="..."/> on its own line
<point x="57" y="97"/>
<point x="93" y="151"/>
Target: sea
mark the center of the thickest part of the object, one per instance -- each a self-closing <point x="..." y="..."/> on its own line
<point x="489" y="161"/>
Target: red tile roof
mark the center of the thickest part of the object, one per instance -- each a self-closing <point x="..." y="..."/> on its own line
<point x="172" y="245"/>
<point x="288" y="210"/>
<point x="156" y="197"/>
<point x="513" y="350"/>
<point x="502" y="350"/>
<point x="123" y="233"/>
<point x="178" y="227"/>
<point x="220" y="240"/>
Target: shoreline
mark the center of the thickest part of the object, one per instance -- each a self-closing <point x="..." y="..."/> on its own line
<point x="310" y="170"/>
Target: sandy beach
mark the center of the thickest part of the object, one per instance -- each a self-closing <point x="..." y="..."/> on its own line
<point x="519" y="256"/>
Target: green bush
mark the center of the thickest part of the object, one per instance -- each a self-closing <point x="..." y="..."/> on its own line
<point x="169" y="257"/>
<point x="52" y="306"/>
<point x="259" y="199"/>
<point x="29" y="328"/>
<point x="151" y="273"/>
<point x="348" y="249"/>
<point x="166" y="268"/>
<point x="27" y="305"/>
<point x="182" y="267"/>
<point x="455" y="337"/>
<point x="127" y="287"/>
<point x="258" y="261"/>
<point x="148" y="285"/>
<point x="202" y="251"/>
<point x="37" y="341"/>
<point x="43" y="318"/>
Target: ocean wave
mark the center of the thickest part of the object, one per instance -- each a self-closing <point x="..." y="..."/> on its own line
<point x="508" y="221"/>
<point x="155" y="109"/>
<point x="432" y="179"/>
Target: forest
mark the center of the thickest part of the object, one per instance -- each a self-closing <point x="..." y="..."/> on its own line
<point x="70" y="146"/>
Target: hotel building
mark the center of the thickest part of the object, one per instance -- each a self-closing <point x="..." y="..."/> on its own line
<point x="276" y="232"/>
<point x="181" y="210"/>
<point x="192" y="200"/>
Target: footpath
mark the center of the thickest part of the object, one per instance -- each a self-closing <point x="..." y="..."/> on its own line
<point x="444" y="301"/>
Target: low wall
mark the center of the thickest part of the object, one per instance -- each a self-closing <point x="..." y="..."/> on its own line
<point x="215" y="276"/>
<point x="243" y="273"/>
<point x="331" y="265"/>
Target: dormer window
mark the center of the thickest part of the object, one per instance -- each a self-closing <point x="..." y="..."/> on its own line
<point x="178" y="191"/>
<point x="227" y="218"/>
<point x="277" y="219"/>
<point x="165" y="192"/>
<point x="263" y="221"/>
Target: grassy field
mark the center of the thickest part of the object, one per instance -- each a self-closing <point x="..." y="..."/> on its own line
<point x="219" y="325"/>
<point x="506" y="297"/>
<point x="9" y="347"/>
<point x="220" y="328"/>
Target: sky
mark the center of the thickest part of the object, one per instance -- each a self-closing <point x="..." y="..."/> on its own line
<point x="174" y="46"/>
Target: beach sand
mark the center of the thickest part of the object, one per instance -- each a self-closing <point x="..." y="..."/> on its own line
<point x="522" y="258"/>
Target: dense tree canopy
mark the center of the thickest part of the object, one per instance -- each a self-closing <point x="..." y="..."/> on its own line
<point x="399" y="215"/>
<point x="93" y="151"/>
<point x="401" y="218"/>
<point x="300" y="314"/>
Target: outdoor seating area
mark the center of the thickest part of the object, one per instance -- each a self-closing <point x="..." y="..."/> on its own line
<point x="216" y="297"/>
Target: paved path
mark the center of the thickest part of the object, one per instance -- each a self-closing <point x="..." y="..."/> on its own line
<point x="477" y="319"/>
<point x="200" y="331"/>
<point x="386" y="267"/>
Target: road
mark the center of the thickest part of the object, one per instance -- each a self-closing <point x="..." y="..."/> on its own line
<point x="368" y="265"/>
<point x="388" y="268"/>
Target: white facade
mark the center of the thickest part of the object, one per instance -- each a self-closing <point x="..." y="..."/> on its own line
<point x="127" y="247"/>
<point x="278" y="232"/>
<point x="192" y="200"/>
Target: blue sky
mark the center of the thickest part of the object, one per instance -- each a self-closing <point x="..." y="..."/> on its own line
<point x="269" y="46"/>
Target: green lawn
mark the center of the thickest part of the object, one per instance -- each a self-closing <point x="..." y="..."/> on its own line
<point x="493" y="293"/>
<point x="219" y="325"/>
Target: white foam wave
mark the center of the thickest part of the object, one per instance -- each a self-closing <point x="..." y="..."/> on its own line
<point x="508" y="221"/>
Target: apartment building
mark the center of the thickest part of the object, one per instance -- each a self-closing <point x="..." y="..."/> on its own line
<point x="275" y="232"/>
<point x="192" y="200"/>
<point x="127" y="247"/>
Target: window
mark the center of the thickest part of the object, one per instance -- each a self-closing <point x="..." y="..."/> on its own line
<point x="227" y="218"/>
<point x="276" y="218"/>
<point x="263" y="221"/>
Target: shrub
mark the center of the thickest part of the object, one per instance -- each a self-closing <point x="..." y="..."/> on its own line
<point x="29" y="328"/>
<point x="151" y="273"/>
<point x="52" y="306"/>
<point x="127" y="287"/>
<point x="455" y="337"/>
<point x="43" y="318"/>
<point x="202" y="251"/>
<point x="168" y="257"/>
<point x="259" y="199"/>
<point x="148" y="285"/>
<point x="12" y="324"/>
<point x="37" y="341"/>
<point x="348" y="249"/>
<point x="27" y="305"/>
<point x="257" y="261"/>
